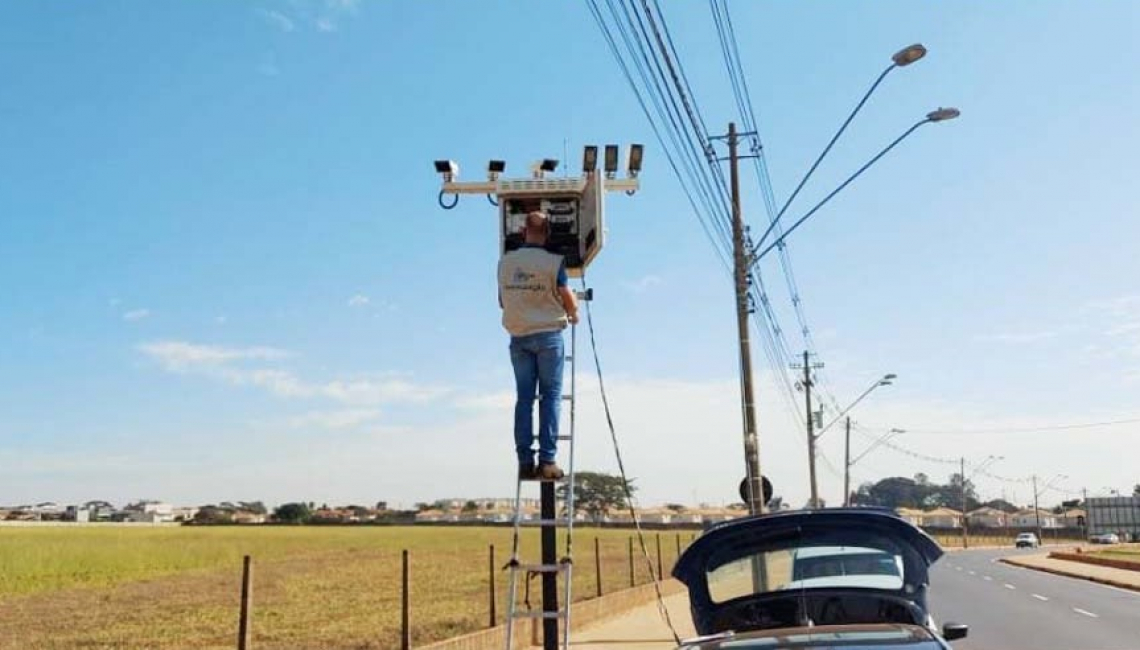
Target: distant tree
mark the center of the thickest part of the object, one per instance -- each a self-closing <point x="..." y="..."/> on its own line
<point x="441" y="504"/>
<point x="1071" y="503"/>
<point x="1136" y="490"/>
<point x="1001" y="504"/>
<point x="470" y="506"/>
<point x="293" y="513"/>
<point x="421" y="506"/>
<point x="381" y="505"/>
<point x="598" y="494"/>
<point x="675" y="507"/>
<point x="775" y="504"/>
<point x="921" y="479"/>
<point x="213" y="515"/>
<point x="256" y="507"/>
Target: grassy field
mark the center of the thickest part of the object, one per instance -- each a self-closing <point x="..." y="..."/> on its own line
<point x="314" y="587"/>
<point x="1128" y="553"/>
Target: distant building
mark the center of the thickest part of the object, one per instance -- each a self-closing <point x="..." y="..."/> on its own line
<point x="1120" y="515"/>
<point x="1029" y="518"/>
<point x="987" y="517"/>
<point x="151" y="512"/>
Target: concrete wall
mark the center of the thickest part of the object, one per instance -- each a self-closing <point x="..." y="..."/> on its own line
<point x="582" y="613"/>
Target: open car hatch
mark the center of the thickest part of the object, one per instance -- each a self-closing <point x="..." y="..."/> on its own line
<point x="836" y="566"/>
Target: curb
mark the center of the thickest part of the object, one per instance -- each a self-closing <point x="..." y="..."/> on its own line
<point x="1058" y="572"/>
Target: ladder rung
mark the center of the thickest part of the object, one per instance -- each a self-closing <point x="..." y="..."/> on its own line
<point x="566" y="437"/>
<point x="570" y="358"/>
<point x="540" y="614"/>
<point x="568" y="397"/>
<point x="542" y="568"/>
<point x="545" y="522"/>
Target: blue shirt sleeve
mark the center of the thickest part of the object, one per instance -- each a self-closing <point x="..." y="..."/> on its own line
<point x="562" y="279"/>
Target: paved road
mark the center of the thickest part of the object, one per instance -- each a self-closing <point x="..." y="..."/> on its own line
<point x="1009" y="608"/>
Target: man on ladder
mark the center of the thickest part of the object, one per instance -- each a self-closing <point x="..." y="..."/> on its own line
<point x="537" y="304"/>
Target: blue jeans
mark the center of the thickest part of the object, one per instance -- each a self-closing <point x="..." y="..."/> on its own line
<point x="537" y="359"/>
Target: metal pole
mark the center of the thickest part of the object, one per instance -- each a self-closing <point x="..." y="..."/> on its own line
<point x="632" y="578"/>
<point x="246" y="595"/>
<point x="740" y="268"/>
<point x="1036" y="509"/>
<point x="598" y="567"/>
<point x="965" y="521"/>
<point x="660" y="575"/>
<point x="810" y="433"/>
<point x="491" y="581"/>
<point x="847" y="466"/>
<point x="549" y="556"/>
<point x="405" y="613"/>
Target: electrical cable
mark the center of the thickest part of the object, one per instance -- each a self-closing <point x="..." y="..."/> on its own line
<point x="621" y="469"/>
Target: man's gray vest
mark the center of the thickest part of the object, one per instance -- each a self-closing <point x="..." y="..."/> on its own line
<point x="528" y="289"/>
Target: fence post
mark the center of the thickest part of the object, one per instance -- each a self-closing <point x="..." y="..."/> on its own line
<point x="598" y="566"/>
<point x="246" y="596"/>
<point x="659" y="574"/>
<point x="405" y="613"/>
<point x="678" y="540"/>
<point x="632" y="580"/>
<point x="491" y="577"/>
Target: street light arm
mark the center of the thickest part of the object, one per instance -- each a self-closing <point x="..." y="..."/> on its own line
<point x="874" y="445"/>
<point x="756" y="257"/>
<point x="822" y="155"/>
<point x="878" y="382"/>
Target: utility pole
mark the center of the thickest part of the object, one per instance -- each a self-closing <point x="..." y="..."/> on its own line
<point x="847" y="465"/>
<point x="1036" y="509"/>
<point x="1085" y="507"/>
<point x="807" y="384"/>
<point x="741" y="264"/>
<point x="965" y="522"/>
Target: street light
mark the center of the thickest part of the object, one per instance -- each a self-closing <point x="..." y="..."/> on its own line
<point x="902" y="58"/>
<point x="885" y="380"/>
<point x="990" y="460"/>
<point x="849" y="461"/>
<point x="1037" y="493"/>
<point x="940" y="115"/>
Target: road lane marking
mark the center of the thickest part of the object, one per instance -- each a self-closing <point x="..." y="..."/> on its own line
<point x="1081" y="611"/>
<point x="988" y="578"/>
<point x="957" y="568"/>
<point x="973" y="573"/>
<point x="1009" y="586"/>
<point x="1040" y="597"/>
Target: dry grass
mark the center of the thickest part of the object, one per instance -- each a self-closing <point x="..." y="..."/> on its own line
<point x="313" y="587"/>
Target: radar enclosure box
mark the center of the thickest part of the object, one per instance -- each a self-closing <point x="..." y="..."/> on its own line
<point x="574" y="207"/>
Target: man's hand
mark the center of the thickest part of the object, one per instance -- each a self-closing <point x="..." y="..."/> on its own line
<point x="573" y="318"/>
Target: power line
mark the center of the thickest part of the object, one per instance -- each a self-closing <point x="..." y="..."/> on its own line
<point x="1052" y="427"/>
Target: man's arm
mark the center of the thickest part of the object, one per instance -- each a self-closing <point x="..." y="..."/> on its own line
<point x="569" y="300"/>
<point x="569" y="303"/>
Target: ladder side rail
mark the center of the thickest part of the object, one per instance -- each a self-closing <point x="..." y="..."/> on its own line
<point x="569" y="575"/>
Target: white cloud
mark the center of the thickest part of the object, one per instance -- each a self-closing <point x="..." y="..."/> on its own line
<point x="220" y="319"/>
<point x="136" y="314"/>
<point x="226" y="364"/>
<point x="277" y="19"/>
<point x="180" y="355"/>
<point x="643" y="284"/>
<point x="341" y="419"/>
<point x="325" y="25"/>
<point x="268" y="66"/>
<point x="1019" y="337"/>
<point x="359" y="300"/>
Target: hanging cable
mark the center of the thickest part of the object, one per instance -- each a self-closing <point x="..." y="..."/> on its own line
<point x="621" y="469"/>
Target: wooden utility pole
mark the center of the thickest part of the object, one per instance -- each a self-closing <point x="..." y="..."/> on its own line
<point x="741" y="263"/>
<point x="965" y="521"/>
<point x="807" y="383"/>
<point x="847" y="464"/>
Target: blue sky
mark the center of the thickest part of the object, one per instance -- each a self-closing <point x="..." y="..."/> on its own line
<point x="224" y="274"/>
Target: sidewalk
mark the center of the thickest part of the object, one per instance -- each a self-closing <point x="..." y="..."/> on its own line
<point x="641" y="628"/>
<point x="1122" y="578"/>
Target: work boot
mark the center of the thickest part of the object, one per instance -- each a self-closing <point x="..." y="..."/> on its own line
<point x="548" y="471"/>
<point x="527" y="472"/>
